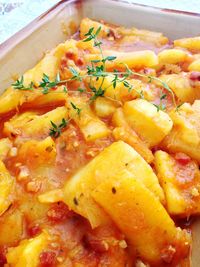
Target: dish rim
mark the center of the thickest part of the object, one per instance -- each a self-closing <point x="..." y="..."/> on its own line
<point x="18" y="36"/>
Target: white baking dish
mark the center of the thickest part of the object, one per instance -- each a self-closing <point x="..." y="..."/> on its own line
<point x="25" y="48"/>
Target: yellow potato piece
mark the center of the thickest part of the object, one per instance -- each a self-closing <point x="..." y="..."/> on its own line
<point x="38" y="152"/>
<point x="136" y="59"/>
<point x="192" y="44"/>
<point x="182" y="198"/>
<point x="156" y="38"/>
<point x="11" y="228"/>
<point x="104" y="107"/>
<point x="52" y="196"/>
<point x="124" y="132"/>
<point x="5" y="146"/>
<point x="87" y="23"/>
<point x="29" y="124"/>
<point x="90" y="125"/>
<point x="185" y="135"/>
<point x="181" y="86"/>
<point x="140" y="216"/>
<point x="6" y="185"/>
<point x="115" y="158"/>
<point x="151" y="125"/>
<point x="130" y="137"/>
<point x="195" y="65"/>
<point x="27" y="253"/>
<point x="172" y="56"/>
<point x="12" y="98"/>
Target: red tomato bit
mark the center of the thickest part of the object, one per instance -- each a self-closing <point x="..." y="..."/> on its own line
<point x="47" y="259"/>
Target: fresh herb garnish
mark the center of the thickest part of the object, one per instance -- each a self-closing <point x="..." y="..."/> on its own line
<point x="46" y="84"/>
<point x="77" y="109"/>
<point x="81" y="90"/>
<point x="19" y="84"/>
<point x="56" y="130"/>
<point x="65" y="89"/>
<point x="96" y="71"/>
<point x="76" y="75"/>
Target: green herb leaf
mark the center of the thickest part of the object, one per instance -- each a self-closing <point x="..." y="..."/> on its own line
<point x="81" y="90"/>
<point x="78" y="110"/>
<point x="98" y="31"/>
<point x="76" y="75"/>
<point x="56" y="130"/>
<point x="19" y="84"/>
<point x="90" y="31"/>
<point x="109" y="58"/>
<point x="65" y="90"/>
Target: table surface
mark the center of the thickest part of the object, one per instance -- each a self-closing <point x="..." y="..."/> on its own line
<point x="15" y="14"/>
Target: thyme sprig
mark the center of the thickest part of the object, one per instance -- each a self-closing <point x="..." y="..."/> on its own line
<point x="56" y="130"/>
<point x="96" y="70"/>
<point x="77" y="109"/>
<point x="19" y="84"/>
<point x="45" y="84"/>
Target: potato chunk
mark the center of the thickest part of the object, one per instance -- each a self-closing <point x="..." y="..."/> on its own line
<point x="6" y="185"/>
<point x="136" y="59"/>
<point x="27" y="253"/>
<point x="172" y="56"/>
<point x="181" y="86"/>
<point x="90" y="125"/>
<point x="130" y="137"/>
<point x="120" y="92"/>
<point x="118" y="156"/>
<point x="33" y="153"/>
<point x="12" y="98"/>
<point x="150" y="124"/>
<point x="180" y="179"/>
<point x="192" y="44"/>
<point x="5" y="146"/>
<point x="124" y="132"/>
<point x="104" y="107"/>
<point x="185" y="135"/>
<point x="141" y="217"/>
<point x="31" y="125"/>
<point x="195" y="65"/>
<point x="87" y="23"/>
<point x="11" y="227"/>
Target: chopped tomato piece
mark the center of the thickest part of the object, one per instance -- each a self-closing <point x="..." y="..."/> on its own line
<point x="33" y="230"/>
<point x="59" y="212"/>
<point x="182" y="158"/>
<point x="47" y="259"/>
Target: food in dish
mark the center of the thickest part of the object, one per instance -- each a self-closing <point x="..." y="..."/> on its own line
<point x="100" y="152"/>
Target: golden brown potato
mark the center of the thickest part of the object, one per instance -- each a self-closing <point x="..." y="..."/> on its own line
<point x="11" y="228"/>
<point x="180" y="179"/>
<point x="28" y="251"/>
<point x="35" y="153"/>
<point x="151" y="125"/>
<point x="182" y="87"/>
<point x="147" y="227"/>
<point x="173" y="56"/>
<point x="115" y="158"/>
<point x="135" y="60"/>
<point x="6" y="186"/>
<point x="195" y="65"/>
<point x="31" y="125"/>
<point x="185" y="135"/>
<point x="192" y="44"/>
<point x="104" y="107"/>
<point x="130" y="137"/>
<point x="5" y="146"/>
<point x="90" y="125"/>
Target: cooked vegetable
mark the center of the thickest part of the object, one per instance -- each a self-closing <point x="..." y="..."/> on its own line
<point x="99" y="151"/>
